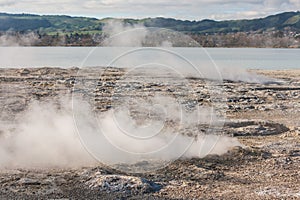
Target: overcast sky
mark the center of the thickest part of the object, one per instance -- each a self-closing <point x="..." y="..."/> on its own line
<point x="181" y="9"/>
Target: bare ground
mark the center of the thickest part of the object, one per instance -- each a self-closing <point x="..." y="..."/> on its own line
<point x="264" y="118"/>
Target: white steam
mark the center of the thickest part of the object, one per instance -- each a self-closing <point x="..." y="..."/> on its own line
<point x="165" y="133"/>
<point x="240" y="74"/>
<point x="123" y="134"/>
<point x="127" y="35"/>
<point x="152" y="143"/>
<point x="44" y="136"/>
<point x="16" y="39"/>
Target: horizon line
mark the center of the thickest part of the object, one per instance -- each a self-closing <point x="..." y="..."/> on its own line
<point x="146" y="17"/>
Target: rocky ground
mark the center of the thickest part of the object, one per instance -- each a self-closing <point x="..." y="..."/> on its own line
<point x="263" y="117"/>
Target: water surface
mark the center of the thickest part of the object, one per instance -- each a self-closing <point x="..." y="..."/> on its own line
<point x="102" y="56"/>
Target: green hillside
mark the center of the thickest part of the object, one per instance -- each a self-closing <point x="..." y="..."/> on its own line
<point x="62" y="23"/>
<point x="275" y="22"/>
<point x="47" y="23"/>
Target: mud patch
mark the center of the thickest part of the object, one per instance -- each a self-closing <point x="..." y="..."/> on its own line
<point x="254" y="128"/>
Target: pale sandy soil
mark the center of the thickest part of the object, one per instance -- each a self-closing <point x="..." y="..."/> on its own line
<point x="266" y="168"/>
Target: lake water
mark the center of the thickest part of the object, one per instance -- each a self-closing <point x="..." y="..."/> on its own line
<point x="249" y="58"/>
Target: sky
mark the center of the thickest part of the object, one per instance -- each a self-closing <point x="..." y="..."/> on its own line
<point x="179" y="9"/>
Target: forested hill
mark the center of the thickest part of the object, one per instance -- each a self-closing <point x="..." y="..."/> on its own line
<point x="276" y="22"/>
<point x="60" y="23"/>
<point x="47" y="23"/>
<point x="281" y="30"/>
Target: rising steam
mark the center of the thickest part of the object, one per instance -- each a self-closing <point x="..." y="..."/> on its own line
<point x="46" y="135"/>
<point x="127" y="35"/>
<point x="43" y="136"/>
<point x="15" y="39"/>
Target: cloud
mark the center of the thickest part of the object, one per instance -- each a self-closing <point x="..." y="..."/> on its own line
<point x="193" y="9"/>
<point x="4" y="3"/>
<point x="239" y="14"/>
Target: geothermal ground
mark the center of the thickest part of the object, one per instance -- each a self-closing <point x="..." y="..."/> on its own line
<point x="264" y="118"/>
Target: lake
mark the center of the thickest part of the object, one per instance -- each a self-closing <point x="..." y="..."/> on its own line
<point x="247" y="58"/>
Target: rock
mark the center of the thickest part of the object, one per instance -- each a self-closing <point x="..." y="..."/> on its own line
<point x="28" y="181"/>
<point x="121" y="183"/>
<point x="24" y="72"/>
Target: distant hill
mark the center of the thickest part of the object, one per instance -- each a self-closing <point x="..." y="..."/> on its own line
<point x="275" y="22"/>
<point x="276" y="31"/>
<point x="62" y="23"/>
<point x="47" y="23"/>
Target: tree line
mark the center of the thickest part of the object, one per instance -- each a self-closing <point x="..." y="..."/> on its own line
<point x="270" y="39"/>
